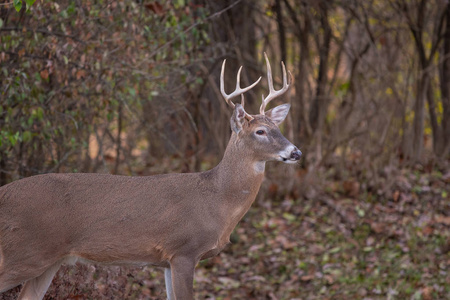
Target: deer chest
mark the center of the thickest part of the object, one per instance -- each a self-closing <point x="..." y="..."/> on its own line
<point x="214" y="251"/>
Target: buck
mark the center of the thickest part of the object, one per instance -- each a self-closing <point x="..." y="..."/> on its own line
<point x="171" y="221"/>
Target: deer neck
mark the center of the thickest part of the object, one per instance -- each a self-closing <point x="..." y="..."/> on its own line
<point x="238" y="177"/>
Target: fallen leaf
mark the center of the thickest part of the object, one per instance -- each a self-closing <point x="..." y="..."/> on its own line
<point x="396" y="195"/>
<point x="21" y="52"/>
<point x="80" y="74"/>
<point x="351" y="188"/>
<point x="427" y="230"/>
<point x="442" y="219"/>
<point x="44" y="74"/>
<point x="156" y="7"/>
<point x="426" y="293"/>
<point x="307" y="277"/>
<point x="377" y="227"/>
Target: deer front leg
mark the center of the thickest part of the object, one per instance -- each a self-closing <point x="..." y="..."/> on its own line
<point x="169" y="288"/>
<point x="35" y="289"/>
<point x="182" y="275"/>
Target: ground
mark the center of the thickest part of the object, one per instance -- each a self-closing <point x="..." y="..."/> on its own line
<point x="343" y="240"/>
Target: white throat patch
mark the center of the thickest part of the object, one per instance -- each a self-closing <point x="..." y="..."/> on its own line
<point x="259" y="166"/>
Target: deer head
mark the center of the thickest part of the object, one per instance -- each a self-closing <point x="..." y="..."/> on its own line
<point x="261" y="132"/>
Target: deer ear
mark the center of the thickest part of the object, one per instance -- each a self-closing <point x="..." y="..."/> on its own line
<point x="238" y="118"/>
<point x="278" y="114"/>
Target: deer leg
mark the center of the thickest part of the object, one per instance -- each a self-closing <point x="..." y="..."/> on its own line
<point x="169" y="288"/>
<point x="35" y="289"/>
<point x="10" y="277"/>
<point x="7" y="284"/>
<point x="182" y="271"/>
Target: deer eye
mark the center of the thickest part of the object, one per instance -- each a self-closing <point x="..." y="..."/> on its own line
<point x="260" y="132"/>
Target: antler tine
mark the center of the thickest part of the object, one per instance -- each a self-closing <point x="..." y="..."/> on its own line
<point x="272" y="92"/>
<point x="222" y="85"/>
<point x="238" y="91"/>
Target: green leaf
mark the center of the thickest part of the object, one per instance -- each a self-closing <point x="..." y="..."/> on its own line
<point x="29" y="3"/>
<point x="26" y="136"/>
<point x="13" y="138"/>
<point x="335" y="250"/>
<point x="17" y="4"/>
<point x="361" y="213"/>
<point x="71" y="8"/>
<point x="289" y="217"/>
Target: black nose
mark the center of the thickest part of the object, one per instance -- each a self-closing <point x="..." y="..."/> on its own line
<point x="296" y="154"/>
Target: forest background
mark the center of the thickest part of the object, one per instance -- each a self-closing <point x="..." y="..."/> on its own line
<point x="131" y="88"/>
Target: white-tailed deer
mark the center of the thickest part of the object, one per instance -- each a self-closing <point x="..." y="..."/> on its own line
<point x="171" y="221"/>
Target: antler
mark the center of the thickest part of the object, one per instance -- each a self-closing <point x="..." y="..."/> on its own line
<point x="272" y="92"/>
<point x="238" y="91"/>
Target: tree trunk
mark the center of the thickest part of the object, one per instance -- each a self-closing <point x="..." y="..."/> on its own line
<point x="281" y="31"/>
<point x="436" y="129"/>
<point x="3" y="176"/>
<point x="320" y="103"/>
<point x="299" y="111"/>
<point x="419" y="117"/>
<point x="445" y="88"/>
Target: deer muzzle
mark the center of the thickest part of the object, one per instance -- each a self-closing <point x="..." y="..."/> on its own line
<point x="290" y="155"/>
<point x="295" y="155"/>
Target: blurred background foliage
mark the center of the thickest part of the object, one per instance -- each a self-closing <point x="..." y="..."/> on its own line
<point x="131" y="87"/>
<point x="118" y="86"/>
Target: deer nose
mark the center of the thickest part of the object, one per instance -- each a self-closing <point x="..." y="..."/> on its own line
<point x="296" y="154"/>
